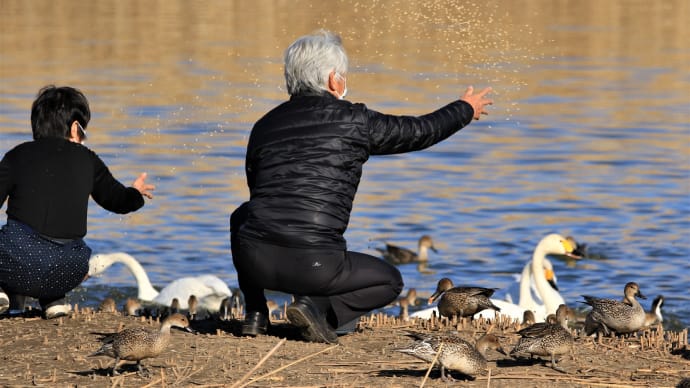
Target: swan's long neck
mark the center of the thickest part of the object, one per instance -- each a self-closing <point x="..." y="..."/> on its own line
<point x="146" y="290"/>
<point x="525" y="293"/>
<point x="540" y="280"/>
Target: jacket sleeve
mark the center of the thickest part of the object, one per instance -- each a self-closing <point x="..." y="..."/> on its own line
<point x="5" y="180"/>
<point x="112" y="195"/>
<point x="391" y="134"/>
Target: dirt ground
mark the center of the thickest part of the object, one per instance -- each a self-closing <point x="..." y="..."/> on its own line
<point x="55" y="353"/>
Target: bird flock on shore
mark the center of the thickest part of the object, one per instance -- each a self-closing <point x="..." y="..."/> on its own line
<point x="546" y="327"/>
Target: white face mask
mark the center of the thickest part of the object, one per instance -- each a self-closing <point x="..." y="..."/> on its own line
<point x="342" y="96"/>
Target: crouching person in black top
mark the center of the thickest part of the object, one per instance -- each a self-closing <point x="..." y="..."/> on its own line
<point x="47" y="183"/>
<point x="303" y="165"/>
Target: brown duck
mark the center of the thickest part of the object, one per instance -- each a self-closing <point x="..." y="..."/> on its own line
<point x="399" y="255"/>
<point x="550" y="338"/>
<point x="137" y="344"/>
<point x="456" y="353"/>
<point x="462" y="301"/>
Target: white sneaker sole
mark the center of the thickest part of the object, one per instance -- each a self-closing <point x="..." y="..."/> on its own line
<point x="58" y="311"/>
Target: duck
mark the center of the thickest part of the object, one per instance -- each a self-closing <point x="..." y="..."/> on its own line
<point x="410" y="299"/>
<point x="192" y="307"/>
<point x="528" y="318"/>
<point x="132" y="307"/>
<point x="273" y="306"/>
<point x="551" y="338"/>
<point x="456" y="354"/>
<point x="175" y="306"/>
<point x="399" y="255"/>
<point x="137" y="344"/>
<point x="107" y="306"/>
<point x="612" y="315"/>
<point x="653" y="316"/>
<point x="551" y="244"/>
<point x="461" y="301"/>
<point x="209" y="289"/>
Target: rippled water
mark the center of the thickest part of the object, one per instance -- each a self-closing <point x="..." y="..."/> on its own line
<point x="589" y="135"/>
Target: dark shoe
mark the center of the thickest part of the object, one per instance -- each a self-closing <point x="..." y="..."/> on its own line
<point x="312" y="322"/>
<point x="255" y="323"/>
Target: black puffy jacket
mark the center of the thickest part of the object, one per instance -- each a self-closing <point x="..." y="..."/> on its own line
<point x="304" y="163"/>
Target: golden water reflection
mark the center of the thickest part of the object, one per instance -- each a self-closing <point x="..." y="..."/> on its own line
<point x="589" y="132"/>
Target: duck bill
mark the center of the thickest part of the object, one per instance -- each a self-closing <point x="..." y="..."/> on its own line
<point x="639" y="295"/>
<point x="433" y="297"/>
<point x="433" y="249"/>
<point x="503" y="352"/>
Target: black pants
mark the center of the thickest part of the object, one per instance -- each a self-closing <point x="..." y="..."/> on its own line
<point x="344" y="284"/>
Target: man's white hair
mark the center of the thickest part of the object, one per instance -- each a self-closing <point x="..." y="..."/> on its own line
<point x="310" y="59"/>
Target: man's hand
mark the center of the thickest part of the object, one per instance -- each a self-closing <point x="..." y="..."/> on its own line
<point x="477" y="101"/>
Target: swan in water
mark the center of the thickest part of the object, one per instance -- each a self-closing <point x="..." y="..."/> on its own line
<point x="208" y="289"/>
<point x="552" y="244"/>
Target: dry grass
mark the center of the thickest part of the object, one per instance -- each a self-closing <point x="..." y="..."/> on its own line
<point x="55" y="353"/>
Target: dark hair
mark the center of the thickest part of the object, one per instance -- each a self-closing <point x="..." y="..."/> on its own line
<point x="55" y="109"/>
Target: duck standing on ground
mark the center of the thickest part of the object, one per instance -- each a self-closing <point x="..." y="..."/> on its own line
<point x="611" y="315"/>
<point x="462" y="301"/>
<point x="107" y="306"/>
<point x="137" y="344"/>
<point x="410" y="299"/>
<point x="132" y="307"/>
<point x="549" y="338"/>
<point x="456" y="354"/>
<point x="528" y="318"/>
<point x="192" y="304"/>
<point x="399" y="255"/>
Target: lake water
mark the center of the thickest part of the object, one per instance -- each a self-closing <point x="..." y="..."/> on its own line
<point x="589" y="134"/>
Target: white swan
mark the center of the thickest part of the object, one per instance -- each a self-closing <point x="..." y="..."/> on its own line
<point x="553" y="244"/>
<point x="521" y="291"/>
<point x="209" y="289"/>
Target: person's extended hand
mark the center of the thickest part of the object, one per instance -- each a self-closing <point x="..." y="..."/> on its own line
<point x="144" y="189"/>
<point x="477" y="101"/>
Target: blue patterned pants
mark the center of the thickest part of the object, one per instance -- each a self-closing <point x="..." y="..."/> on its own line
<point x="35" y="266"/>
